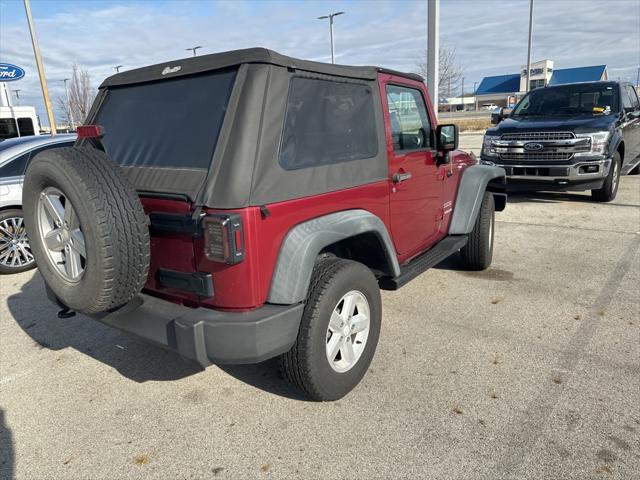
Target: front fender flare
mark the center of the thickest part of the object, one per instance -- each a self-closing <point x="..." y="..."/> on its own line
<point x="471" y="190"/>
<point x="304" y="242"/>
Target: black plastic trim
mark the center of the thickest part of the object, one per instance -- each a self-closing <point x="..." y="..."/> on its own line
<point x="199" y="283"/>
<point x="175" y="223"/>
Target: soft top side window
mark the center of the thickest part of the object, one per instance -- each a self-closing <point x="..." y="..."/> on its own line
<point x="327" y="122"/>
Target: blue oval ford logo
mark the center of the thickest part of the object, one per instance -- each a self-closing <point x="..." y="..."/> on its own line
<point x="533" y="147"/>
<point x="10" y="73"/>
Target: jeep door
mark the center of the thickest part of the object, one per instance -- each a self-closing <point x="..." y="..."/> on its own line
<point x="414" y="177"/>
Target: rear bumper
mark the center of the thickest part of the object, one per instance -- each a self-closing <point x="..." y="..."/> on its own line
<point x="209" y="336"/>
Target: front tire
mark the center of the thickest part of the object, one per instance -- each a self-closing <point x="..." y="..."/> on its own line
<point x="610" y="187"/>
<point x="338" y="333"/>
<point x="15" y="252"/>
<point x="477" y="254"/>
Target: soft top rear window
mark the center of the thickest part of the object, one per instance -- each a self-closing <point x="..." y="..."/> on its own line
<point x="172" y="123"/>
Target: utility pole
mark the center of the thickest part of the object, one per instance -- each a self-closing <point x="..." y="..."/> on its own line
<point x="70" y="110"/>
<point x="43" y="79"/>
<point x="463" y="94"/>
<point x="433" y="51"/>
<point x="117" y="68"/>
<point x="17" y="92"/>
<point x="330" y="17"/>
<point x="529" y="47"/>
<point x="638" y="79"/>
<point x="193" y="49"/>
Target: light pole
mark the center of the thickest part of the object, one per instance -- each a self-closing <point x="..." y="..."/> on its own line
<point x="69" y="110"/>
<point x="40" y="65"/>
<point x="433" y="51"/>
<point x="529" y="46"/>
<point x="17" y="92"/>
<point x="117" y="68"/>
<point x="330" y="17"/>
<point x="194" y="49"/>
<point x="463" y="94"/>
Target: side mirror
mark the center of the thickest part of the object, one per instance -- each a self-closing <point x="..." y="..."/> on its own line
<point x="496" y="118"/>
<point x="505" y="112"/>
<point x="446" y="137"/>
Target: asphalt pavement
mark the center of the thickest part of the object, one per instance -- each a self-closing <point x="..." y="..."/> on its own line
<point x="529" y="370"/>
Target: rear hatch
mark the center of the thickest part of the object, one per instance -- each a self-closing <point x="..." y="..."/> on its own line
<point x="164" y="134"/>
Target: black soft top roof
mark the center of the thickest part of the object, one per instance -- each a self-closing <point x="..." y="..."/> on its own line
<point x="215" y="61"/>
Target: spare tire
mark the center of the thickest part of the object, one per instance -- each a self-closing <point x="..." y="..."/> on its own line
<point x="87" y="228"/>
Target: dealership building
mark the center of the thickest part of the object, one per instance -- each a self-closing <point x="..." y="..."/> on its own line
<point x="505" y="90"/>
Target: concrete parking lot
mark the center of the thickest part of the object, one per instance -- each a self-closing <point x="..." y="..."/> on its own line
<point x="529" y="370"/>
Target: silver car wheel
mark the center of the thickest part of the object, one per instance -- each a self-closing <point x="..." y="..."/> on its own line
<point x="61" y="235"/>
<point x="348" y="331"/>
<point x="14" y="246"/>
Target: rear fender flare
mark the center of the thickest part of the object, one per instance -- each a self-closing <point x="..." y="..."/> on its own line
<point x="304" y="242"/>
<point x="471" y="190"/>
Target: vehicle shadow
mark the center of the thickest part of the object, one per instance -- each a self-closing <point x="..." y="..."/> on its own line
<point x="7" y="455"/>
<point x="133" y="358"/>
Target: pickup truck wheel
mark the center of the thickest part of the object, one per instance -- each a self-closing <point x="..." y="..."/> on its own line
<point x="15" y="252"/>
<point x="478" y="252"/>
<point x="338" y="333"/>
<point x="86" y="227"/>
<point x="610" y="187"/>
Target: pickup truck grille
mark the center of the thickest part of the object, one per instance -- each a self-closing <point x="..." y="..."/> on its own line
<point x="534" y="136"/>
<point x="536" y="156"/>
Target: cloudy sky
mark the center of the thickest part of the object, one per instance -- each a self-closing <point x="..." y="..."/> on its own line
<point x="490" y="36"/>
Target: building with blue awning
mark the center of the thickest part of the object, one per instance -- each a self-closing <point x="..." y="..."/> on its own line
<point x="505" y="90"/>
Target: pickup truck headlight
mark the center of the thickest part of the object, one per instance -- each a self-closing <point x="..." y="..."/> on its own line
<point x="487" y="149"/>
<point x="599" y="142"/>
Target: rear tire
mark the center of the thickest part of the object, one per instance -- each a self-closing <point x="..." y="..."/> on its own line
<point x="477" y="254"/>
<point x="87" y="229"/>
<point x="610" y="187"/>
<point x="335" y="283"/>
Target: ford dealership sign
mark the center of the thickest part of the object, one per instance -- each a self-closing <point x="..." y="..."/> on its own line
<point x="9" y="73"/>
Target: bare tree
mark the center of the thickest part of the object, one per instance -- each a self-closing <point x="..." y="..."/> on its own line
<point x="450" y="71"/>
<point x="77" y="103"/>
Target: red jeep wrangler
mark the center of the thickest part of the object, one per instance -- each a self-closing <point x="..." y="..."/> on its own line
<point x="245" y="205"/>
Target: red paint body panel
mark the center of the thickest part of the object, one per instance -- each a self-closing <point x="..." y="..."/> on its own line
<point x="410" y="211"/>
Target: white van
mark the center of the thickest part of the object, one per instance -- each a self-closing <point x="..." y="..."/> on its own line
<point x="18" y="122"/>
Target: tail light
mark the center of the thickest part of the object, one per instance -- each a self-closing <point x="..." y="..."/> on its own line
<point x="223" y="238"/>
<point x="89" y="131"/>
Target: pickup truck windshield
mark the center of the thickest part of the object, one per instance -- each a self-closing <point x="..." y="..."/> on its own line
<point x="167" y="123"/>
<point x="576" y="99"/>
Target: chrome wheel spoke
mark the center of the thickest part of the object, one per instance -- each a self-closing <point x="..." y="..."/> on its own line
<point x="73" y="263"/>
<point x="347" y="352"/>
<point x="333" y="346"/>
<point x="77" y="242"/>
<point x="54" y="208"/>
<point x="348" y="305"/>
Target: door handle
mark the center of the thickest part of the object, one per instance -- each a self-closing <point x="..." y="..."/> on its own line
<point x="401" y="177"/>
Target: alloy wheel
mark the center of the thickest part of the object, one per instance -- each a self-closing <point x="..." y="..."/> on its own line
<point x="348" y="331"/>
<point x="14" y="245"/>
<point x="61" y="234"/>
